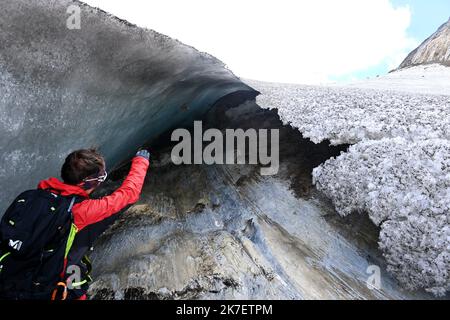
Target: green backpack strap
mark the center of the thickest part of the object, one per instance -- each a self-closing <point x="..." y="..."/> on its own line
<point x="73" y="229"/>
<point x="2" y="258"/>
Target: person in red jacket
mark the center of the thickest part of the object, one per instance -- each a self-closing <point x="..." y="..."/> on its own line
<point x="83" y="171"/>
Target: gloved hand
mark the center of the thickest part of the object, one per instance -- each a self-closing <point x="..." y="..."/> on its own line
<point x="144" y="154"/>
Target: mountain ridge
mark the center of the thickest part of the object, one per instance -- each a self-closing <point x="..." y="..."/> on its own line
<point x="435" y="49"/>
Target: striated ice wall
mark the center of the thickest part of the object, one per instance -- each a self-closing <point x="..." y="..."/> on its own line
<point x="109" y="84"/>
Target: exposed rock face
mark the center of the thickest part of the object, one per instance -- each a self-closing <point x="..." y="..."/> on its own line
<point x="108" y="84"/>
<point x="436" y="49"/>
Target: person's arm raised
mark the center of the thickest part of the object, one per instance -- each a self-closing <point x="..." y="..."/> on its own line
<point x="93" y="211"/>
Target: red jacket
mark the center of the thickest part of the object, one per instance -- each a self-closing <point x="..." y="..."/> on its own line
<point x="92" y="211"/>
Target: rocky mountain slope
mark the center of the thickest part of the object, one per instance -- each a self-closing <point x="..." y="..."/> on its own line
<point x="436" y="49"/>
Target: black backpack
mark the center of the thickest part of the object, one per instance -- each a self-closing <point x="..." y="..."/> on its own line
<point x="36" y="233"/>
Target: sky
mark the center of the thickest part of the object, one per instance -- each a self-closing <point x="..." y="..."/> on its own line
<point x="295" y="41"/>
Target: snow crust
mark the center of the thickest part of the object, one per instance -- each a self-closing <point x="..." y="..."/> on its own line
<point x="426" y="79"/>
<point x="398" y="169"/>
<point x="404" y="186"/>
<point x="349" y="115"/>
<point x="435" y="49"/>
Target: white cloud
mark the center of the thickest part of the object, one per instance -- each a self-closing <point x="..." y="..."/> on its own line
<point x="280" y="40"/>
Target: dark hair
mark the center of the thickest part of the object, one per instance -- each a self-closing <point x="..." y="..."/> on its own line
<point x="81" y="164"/>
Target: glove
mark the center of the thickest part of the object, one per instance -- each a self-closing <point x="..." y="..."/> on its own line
<point x="144" y="154"/>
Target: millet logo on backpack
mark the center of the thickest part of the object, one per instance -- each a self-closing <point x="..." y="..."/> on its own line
<point x="16" y="245"/>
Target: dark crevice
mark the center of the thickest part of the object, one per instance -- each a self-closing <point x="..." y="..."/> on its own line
<point x="298" y="155"/>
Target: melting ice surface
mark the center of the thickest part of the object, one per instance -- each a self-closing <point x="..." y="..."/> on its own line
<point x="207" y="232"/>
<point x="399" y="167"/>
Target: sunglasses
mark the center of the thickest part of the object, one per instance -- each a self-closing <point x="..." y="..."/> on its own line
<point x="100" y="178"/>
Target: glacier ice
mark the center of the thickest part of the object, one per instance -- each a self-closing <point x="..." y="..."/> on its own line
<point x="404" y="186"/>
<point x="110" y="84"/>
<point x="122" y="86"/>
<point x="398" y="169"/>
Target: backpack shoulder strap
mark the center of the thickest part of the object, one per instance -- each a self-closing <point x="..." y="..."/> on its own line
<point x="72" y="202"/>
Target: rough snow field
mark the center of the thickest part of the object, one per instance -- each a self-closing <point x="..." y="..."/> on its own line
<point x="349" y="115"/>
<point x="427" y="79"/>
<point x="398" y="171"/>
<point x="405" y="188"/>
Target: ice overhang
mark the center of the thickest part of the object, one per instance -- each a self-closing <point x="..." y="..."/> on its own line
<point x="108" y="84"/>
